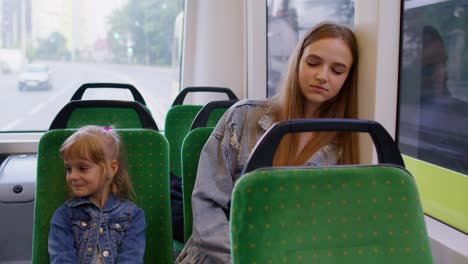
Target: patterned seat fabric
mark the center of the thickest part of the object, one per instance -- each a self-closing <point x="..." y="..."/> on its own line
<point x="354" y="214"/>
<point x="117" y="117"/>
<point x="178" y="122"/>
<point x="119" y="114"/>
<point x="215" y="116"/>
<point x="148" y="166"/>
<point x="191" y="149"/>
<point x="177" y="125"/>
<point x="202" y="126"/>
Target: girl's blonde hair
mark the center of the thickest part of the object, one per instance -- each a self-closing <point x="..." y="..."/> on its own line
<point x="100" y="145"/>
<point x="289" y="104"/>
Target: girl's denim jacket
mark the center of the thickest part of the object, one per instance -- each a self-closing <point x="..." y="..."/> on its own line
<point x="78" y="228"/>
<point x="221" y="162"/>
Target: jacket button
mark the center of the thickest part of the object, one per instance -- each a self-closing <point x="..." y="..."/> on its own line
<point x="84" y="224"/>
<point x="118" y="226"/>
<point x="90" y="249"/>
<point x="94" y="224"/>
<point x="106" y="253"/>
<point x="101" y="230"/>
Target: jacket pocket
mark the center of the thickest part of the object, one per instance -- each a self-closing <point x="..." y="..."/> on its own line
<point x="117" y="231"/>
<point x="81" y="229"/>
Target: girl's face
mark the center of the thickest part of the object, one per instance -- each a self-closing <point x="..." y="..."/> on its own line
<point x="87" y="178"/>
<point x="323" y="69"/>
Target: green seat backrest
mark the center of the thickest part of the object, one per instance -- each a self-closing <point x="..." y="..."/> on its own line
<point x="117" y="117"/>
<point x="147" y="152"/>
<point x="354" y="214"/>
<point x="215" y="116"/>
<point x="178" y="122"/>
<point x="119" y="114"/>
<point x="191" y="149"/>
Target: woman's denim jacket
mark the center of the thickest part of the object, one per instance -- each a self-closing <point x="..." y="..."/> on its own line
<point x="221" y="162"/>
<point x="79" y="226"/>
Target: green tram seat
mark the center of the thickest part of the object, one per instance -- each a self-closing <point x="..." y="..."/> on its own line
<point x="340" y="214"/>
<point x="78" y="95"/>
<point x="179" y="119"/>
<point x="120" y="114"/>
<point x="178" y="122"/>
<point x="148" y="164"/>
<point x="201" y="129"/>
<point x="179" y="100"/>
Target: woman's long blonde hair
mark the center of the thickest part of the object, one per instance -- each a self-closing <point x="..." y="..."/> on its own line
<point x="289" y="103"/>
<point x="100" y="145"/>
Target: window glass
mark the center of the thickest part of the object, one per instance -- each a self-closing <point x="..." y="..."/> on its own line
<point x="49" y="48"/>
<point x="433" y="117"/>
<point x="288" y="21"/>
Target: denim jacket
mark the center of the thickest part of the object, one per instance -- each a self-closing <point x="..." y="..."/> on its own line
<point x="221" y="162"/>
<point x="78" y="228"/>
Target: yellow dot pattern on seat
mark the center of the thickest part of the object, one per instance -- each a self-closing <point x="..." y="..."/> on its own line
<point x="191" y="149"/>
<point x="117" y="117"/>
<point x="215" y="116"/>
<point x="178" y="121"/>
<point x="147" y="152"/>
<point x="360" y="214"/>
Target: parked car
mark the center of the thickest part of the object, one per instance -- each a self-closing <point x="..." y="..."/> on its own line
<point x="35" y="76"/>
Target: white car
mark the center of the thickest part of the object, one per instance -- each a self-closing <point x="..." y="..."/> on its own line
<point x="35" y="76"/>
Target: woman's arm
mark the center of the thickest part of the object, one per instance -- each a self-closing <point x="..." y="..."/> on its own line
<point x="61" y="243"/>
<point x="212" y="192"/>
<point x="132" y="247"/>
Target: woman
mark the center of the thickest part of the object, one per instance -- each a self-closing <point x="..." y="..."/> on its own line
<point x="320" y="83"/>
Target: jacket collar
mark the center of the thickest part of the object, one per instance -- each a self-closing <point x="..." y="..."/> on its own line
<point x="111" y="202"/>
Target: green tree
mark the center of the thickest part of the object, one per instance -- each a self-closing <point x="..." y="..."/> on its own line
<point x="119" y="30"/>
<point x="53" y="47"/>
<point x="143" y="30"/>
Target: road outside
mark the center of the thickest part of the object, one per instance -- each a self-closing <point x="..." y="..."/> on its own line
<point x="34" y="110"/>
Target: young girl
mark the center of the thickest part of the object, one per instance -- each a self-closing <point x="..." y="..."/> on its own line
<point x="320" y="83"/>
<point x="99" y="224"/>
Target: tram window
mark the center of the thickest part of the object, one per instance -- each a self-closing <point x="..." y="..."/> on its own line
<point x="433" y="105"/>
<point x="125" y="41"/>
<point x="287" y="22"/>
<point x="433" y="118"/>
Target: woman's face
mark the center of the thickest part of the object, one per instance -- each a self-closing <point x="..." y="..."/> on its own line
<point x="323" y="69"/>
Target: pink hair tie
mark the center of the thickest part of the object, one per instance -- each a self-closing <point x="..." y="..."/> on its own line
<point x="107" y="128"/>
